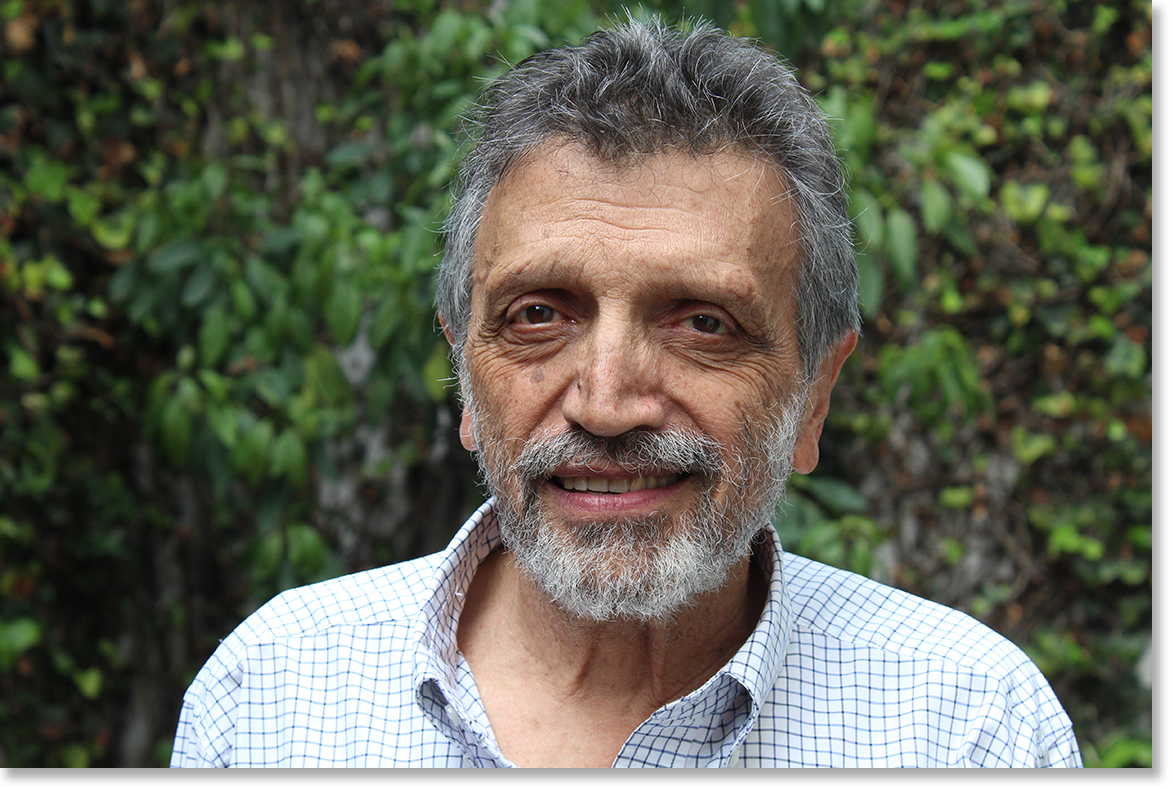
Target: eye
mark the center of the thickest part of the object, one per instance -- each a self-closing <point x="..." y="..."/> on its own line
<point x="707" y="324"/>
<point x="537" y="313"/>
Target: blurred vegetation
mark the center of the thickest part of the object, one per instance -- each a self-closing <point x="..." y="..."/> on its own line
<point x="221" y="374"/>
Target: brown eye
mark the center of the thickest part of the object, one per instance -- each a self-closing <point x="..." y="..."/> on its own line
<point x="707" y="324"/>
<point x="538" y="313"/>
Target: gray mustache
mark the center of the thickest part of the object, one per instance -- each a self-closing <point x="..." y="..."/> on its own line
<point x="635" y="452"/>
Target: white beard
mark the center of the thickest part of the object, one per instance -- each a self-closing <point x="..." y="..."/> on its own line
<point x="644" y="568"/>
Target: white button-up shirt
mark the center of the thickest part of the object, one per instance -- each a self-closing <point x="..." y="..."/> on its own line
<point x="841" y="671"/>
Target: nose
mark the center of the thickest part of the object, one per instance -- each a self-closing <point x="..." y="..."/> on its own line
<point x="616" y="386"/>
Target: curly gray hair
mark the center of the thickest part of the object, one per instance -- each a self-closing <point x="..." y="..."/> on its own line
<point x="642" y="88"/>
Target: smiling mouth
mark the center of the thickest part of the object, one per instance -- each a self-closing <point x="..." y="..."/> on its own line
<point x="624" y="485"/>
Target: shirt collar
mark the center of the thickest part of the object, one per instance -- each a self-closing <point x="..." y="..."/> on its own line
<point x="755" y="666"/>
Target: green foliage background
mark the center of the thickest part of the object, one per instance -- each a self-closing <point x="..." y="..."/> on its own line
<point x="221" y="374"/>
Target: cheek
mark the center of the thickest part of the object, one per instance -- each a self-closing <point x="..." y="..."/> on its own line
<point x="720" y="400"/>
<point x="510" y="401"/>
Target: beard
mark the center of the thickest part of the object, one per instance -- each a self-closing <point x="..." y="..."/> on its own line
<point x="648" y="567"/>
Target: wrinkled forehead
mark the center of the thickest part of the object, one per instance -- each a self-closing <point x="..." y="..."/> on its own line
<point x="713" y="228"/>
<point x="731" y="192"/>
<point x="630" y="163"/>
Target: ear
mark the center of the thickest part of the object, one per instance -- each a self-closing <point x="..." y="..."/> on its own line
<point x="806" y="448"/>
<point x="467" y="439"/>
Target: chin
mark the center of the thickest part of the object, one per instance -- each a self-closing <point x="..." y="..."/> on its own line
<point x="643" y="568"/>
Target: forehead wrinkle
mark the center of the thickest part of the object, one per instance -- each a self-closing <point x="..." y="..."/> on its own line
<point x="521" y="276"/>
<point x="571" y="231"/>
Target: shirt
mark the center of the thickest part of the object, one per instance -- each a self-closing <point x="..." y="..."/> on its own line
<point x="364" y="671"/>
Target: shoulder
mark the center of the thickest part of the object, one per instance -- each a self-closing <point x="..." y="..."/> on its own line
<point x="380" y="604"/>
<point x="929" y="685"/>
<point x="300" y="640"/>
<point x="855" y="610"/>
<point x="386" y="595"/>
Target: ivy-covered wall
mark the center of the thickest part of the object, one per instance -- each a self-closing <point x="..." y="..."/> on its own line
<point x="221" y="376"/>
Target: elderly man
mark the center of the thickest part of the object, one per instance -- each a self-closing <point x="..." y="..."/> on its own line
<point x="649" y="288"/>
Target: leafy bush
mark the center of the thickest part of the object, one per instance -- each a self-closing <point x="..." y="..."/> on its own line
<point x="222" y="374"/>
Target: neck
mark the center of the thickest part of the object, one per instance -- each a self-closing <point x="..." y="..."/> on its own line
<point x="509" y="621"/>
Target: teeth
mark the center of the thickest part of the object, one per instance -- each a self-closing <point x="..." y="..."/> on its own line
<point x="600" y="485"/>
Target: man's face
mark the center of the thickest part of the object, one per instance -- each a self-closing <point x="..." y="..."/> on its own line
<point x="631" y="353"/>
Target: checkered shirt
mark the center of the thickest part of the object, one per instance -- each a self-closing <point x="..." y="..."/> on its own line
<point x="364" y="671"/>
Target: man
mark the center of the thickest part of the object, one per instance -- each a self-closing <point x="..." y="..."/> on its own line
<point x="649" y="288"/>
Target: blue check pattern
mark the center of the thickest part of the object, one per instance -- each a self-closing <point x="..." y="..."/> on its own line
<point x="364" y="671"/>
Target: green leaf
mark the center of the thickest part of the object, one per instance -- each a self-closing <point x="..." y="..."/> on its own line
<point x="215" y="180"/>
<point x="231" y="49"/>
<point x="75" y="756"/>
<point x="325" y="378"/>
<point x="1066" y="539"/>
<point x="1127" y="752"/>
<point x="280" y="240"/>
<point x="901" y="236"/>
<point x="223" y="420"/>
<point x="837" y="495"/>
<point x="869" y="219"/>
<point x="969" y="173"/>
<point x="214" y="334"/>
<point x="1126" y="358"/>
<point x="1029" y="447"/>
<point x="354" y="153"/>
<point x="57" y="276"/>
<point x="307" y="550"/>
<point x="17" y="636"/>
<point x="115" y="230"/>
<point x="871" y="284"/>
<point x="1029" y="99"/>
<point x="89" y="682"/>
<point x="343" y="311"/>
<point x="174" y="256"/>
<point x="215" y="384"/>
<point x="387" y="320"/>
<point x="940" y="70"/>
<point x="242" y="299"/>
<point x="289" y="457"/>
<point x="83" y="206"/>
<point x="46" y="178"/>
<point x="201" y="283"/>
<point x="1024" y="203"/>
<point x="959" y="497"/>
<point x="21" y="365"/>
<point x="936" y="206"/>
<point x="251" y="453"/>
<point x="268" y="554"/>
<point x="1059" y="405"/>
<point x="175" y="425"/>
<point x="953" y="550"/>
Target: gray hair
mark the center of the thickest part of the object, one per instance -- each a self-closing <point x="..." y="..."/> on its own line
<point x="642" y="88"/>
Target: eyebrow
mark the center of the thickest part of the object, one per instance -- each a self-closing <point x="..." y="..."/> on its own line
<point x="561" y="272"/>
<point x="526" y="276"/>
<point x="740" y="296"/>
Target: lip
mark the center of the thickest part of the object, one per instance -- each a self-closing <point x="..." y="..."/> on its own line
<point x="630" y="502"/>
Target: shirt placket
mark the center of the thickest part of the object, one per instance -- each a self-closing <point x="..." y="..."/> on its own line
<point x="683" y="734"/>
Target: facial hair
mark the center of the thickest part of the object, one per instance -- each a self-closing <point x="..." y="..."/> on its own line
<point x="644" y="568"/>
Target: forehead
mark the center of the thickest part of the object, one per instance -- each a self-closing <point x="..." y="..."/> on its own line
<point x="668" y="215"/>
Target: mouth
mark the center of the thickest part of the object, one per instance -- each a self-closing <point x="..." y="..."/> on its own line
<point x="620" y="485"/>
